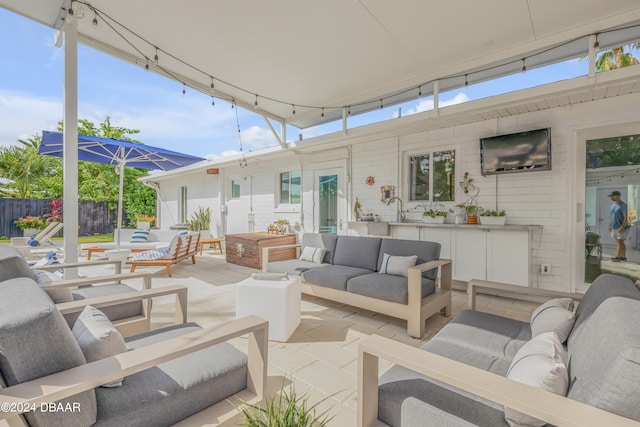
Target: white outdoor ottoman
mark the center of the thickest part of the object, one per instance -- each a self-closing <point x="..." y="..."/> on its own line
<point x="277" y="301"/>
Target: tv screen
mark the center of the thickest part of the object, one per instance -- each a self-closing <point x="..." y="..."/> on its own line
<point x="516" y="152"/>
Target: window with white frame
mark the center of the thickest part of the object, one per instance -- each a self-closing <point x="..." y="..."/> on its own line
<point x="289" y="187"/>
<point x="432" y="177"/>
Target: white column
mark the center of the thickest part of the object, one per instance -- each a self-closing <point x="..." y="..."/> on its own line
<point x="70" y="147"/>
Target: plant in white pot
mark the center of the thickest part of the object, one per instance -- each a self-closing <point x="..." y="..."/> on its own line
<point x="434" y="216"/>
<point x="492" y="217"/>
<point x="201" y="221"/>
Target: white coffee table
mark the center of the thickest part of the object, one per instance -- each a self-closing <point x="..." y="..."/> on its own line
<point x="277" y="301"/>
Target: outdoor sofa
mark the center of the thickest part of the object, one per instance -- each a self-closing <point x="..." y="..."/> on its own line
<point x="355" y="271"/>
<point x="463" y="376"/>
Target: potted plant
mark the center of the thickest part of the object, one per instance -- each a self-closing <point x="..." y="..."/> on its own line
<point x="471" y="204"/>
<point x="434" y="216"/>
<point x="30" y="225"/>
<point x="282" y="225"/>
<point x="201" y="221"/>
<point x="492" y="217"/>
<point x="145" y="222"/>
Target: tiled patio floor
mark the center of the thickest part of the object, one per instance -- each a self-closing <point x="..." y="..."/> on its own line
<point x="321" y="355"/>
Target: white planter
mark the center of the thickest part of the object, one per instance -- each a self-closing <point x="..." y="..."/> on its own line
<point x="436" y="220"/>
<point x="493" y="220"/>
<point x="30" y="232"/>
<point x="144" y="225"/>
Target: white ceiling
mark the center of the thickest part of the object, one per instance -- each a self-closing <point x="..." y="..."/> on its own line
<point x="334" y="53"/>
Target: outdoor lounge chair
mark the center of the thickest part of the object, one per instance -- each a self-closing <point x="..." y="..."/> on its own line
<point x="42" y="238"/>
<point x="182" y="247"/>
<point x="172" y="374"/>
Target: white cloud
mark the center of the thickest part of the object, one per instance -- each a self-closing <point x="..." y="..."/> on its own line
<point x="427" y="104"/>
<point x="24" y="115"/>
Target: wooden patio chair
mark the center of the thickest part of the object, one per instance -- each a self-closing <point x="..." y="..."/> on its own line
<point x="182" y="247"/>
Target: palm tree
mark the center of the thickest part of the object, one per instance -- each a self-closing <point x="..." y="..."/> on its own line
<point x="23" y="168"/>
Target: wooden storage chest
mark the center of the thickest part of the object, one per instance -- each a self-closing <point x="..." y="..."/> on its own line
<point x="246" y="248"/>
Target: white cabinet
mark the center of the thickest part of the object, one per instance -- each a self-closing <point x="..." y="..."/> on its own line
<point x="492" y="254"/>
<point x="440" y="235"/>
<point x="409" y="232"/>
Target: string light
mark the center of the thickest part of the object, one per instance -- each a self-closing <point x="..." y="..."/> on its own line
<point x="243" y="161"/>
<point x="466" y="79"/>
<point x="95" y="18"/>
<point x="108" y="19"/>
<point x="146" y="66"/>
<point x="293" y="112"/>
<point x="184" y="88"/>
<point x="322" y="115"/>
<point x="381" y="106"/>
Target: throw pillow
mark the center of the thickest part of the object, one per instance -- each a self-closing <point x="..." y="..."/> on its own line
<point x="541" y="362"/>
<point x="98" y="338"/>
<point x="139" y="236"/>
<point x="312" y="254"/>
<point x="555" y="315"/>
<point x="397" y="265"/>
<point x="270" y="276"/>
<point x="150" y="255"/>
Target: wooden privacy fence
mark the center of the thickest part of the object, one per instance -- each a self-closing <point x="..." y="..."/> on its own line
<point x="94" y="217"/>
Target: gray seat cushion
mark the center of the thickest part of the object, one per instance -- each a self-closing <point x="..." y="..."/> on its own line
<point x="173" y="390"/>
<point x="402" y="392"/>
<point x="35" y="341"/>
<point x="333" y="276"/>
<point x="116" y="312"/>
<point x="326" y="241"/>
<point x="426" y="251"/>
<point x="359" y="252"/>
<point x="294" y="267"/>
<point x="387" y="287"/>
<point x="479" y="339"/>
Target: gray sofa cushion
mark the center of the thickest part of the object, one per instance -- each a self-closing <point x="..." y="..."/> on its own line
<point x="359" y="252"/>
<point x="485" y="336"/>
<point x="326" y="241"/>
<point x="426" y="251"/>
<point x="115" y="312"/>
<point x="35" y="341"/>
<point x="13" y="264"/>
<point x="294" y="267"/>
<point x="173" y="390"/>
<point x="399" y="384"/>
<point x="604" y="365"/>
<point x="333" y="276"/>
<point x="387" y="287"/>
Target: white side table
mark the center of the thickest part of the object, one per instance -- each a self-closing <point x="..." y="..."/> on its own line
<point x="118" y="255"/>
<point x="277" y="301"/>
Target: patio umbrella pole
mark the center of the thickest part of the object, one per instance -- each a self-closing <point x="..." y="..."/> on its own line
<point x="119" y="224"/>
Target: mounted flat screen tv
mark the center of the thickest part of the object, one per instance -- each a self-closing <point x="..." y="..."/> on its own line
<point x="516" y="152"/>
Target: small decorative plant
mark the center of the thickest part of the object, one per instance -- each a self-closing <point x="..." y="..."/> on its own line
<point x="489" y="212"/>
<point x="55" y="211"/>
<point x="281" y="225"/>
<point x="30" y="222"/>
<point x="285" y="409"/>
<point x="200" y="220"/>
<point x="151" y="219"/>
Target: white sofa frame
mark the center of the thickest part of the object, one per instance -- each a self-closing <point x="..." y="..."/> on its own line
<point x="415" y="312"/>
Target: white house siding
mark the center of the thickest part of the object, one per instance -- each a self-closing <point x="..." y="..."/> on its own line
<point x="546" y="198"/>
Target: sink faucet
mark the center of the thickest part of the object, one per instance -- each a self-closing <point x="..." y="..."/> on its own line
<point x="399" y="215"/>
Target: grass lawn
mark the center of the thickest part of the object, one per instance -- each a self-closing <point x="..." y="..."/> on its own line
<point x="99" y="238"/>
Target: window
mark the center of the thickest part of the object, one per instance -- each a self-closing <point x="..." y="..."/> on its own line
<point x="432" y="177"/>
<point x="235" y="188"/>
<point x="290" y="187"/>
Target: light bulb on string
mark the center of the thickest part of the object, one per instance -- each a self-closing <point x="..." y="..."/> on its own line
<point x="524" y="66"/>
<point x="146" y="66"/>
<point x="293" y="111"/>
<point x="381" y="106"/>
<point x="213" y="101"/>
<point x="596" y="45"/>
<point x="155" y="57"/>
<point x="466" y="79"/>
<point x="419" y="91"/>
<point x="95" y="19"/>
<point x="184" y="88"/>
<point x="322" y="115"/>
<point x="255" y="104"/>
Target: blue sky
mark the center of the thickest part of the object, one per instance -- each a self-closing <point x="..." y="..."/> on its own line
<point x="31" y="85"/>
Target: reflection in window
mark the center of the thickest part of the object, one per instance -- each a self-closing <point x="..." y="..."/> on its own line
<point x="438" y="168"/>
<point x="290" y="187"/>
<point x="235" y="188"/>
<point x="419" y="170"/>
<point x="444" y="176"/>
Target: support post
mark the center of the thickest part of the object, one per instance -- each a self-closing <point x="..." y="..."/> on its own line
<point x="70" y="144"/>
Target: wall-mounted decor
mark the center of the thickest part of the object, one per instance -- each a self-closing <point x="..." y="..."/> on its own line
<point x="387" y="192"/>
<point x="369" y="180"/>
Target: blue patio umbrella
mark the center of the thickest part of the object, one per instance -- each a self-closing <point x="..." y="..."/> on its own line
<point x="120" y="153"/>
